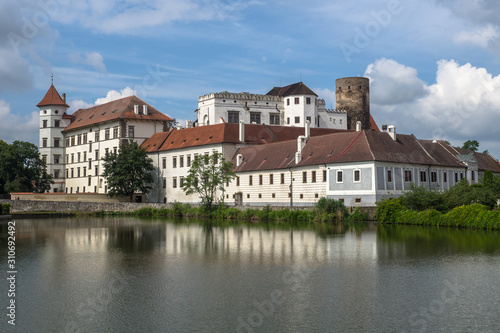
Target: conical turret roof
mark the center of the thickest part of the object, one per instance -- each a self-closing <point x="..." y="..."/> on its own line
<point x="52" y="97"/>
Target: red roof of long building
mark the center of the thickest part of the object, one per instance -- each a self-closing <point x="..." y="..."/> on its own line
<point x="118" y="109"/>
<point x="52" y="97"/>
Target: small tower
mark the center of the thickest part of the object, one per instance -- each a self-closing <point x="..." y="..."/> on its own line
<point x="353" y="96"/>
<point x="53" y="119"/>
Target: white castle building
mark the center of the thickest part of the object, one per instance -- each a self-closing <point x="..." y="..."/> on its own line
<point x="292" y="105"/>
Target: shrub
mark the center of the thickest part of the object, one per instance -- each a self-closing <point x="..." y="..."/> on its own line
<point x="5" y="209"/>
<point x="388" y="210"/>
<point x="357" y="215"/>
<point x="331" y="206"/>
<point x="422" y="198"/>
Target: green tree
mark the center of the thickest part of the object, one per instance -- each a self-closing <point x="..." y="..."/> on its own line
<point x="129" y="171"/>
<point x="472" y="145"/>
<point x="22" y="169"/>
<point x="207" y="175"/>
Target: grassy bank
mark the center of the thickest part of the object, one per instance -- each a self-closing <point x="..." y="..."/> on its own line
<point x="474" y="216"/>
<point x="326" y="210"/>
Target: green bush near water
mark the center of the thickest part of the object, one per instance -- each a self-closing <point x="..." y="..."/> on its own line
<point x="5" y="209"/>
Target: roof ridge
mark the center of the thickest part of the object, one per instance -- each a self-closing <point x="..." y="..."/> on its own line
<point x="425" y="150"/>
<point x="347" y="147"/>
<point x="370" y="147"/>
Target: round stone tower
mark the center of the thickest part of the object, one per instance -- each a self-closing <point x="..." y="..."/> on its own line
<point x="353" y="96"/>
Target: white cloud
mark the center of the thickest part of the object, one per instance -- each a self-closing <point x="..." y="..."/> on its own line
<point x="481" y="37"/>
<point x="93" y="59"/>
<point x="463" y="104"/>
<point x="114" y="95"/>
<point x="393" y="83"/>
<point x="77" y="104"/>
<point x="14" y="127"/>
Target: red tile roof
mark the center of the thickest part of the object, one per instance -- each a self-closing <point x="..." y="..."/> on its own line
<point x="52" y="97"/>
<point x="373" y="124"/>
<point x="226" y="133"/>
<point x="298" y="88"/>
<point x="119" y="109"/>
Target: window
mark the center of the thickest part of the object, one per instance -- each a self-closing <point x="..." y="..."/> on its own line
<point x="188" y="161"/>
<point x="282" y="178"/>
<point x="73" y="140"/>
<point x="433" y="176"/>
<point x="313" y="176"/>
<point x="84" y="171"/>
<point x="316" y="195"/>
<point x="90" y="146"/>
<point x="233" y="117"/>
<point x="106" y="152"/>
<point x="456" y="177"/>
<point x="324" y="175"/>
<point x="85" y="138"/>
<point x="79" y="139"/>
<point x="115" y="132"/>
<point x="96" y="168"/>
<point x="340" y="176"/>
<point x="304" y="177"/>
<point x="445" y="177"/>
<point x="97" y="154"/>
<point x="90" y="163"/>
<point x="250" y="180"/>
<point x="273" y="195"/>
<point x="255" y="117"/>
<point x="56" y="174"/>
<point x="72" y="158"/>
<point x="308" y="119"/>
<point x="164" y="163"/>
<point x="296" y="100"/>
<point x="72" y="172"/>
<point x="260" y="195"/>
<point x="44" y="142"/>
<point x="67" y="142"/>
<point x="164" y="183"/>
<point x="78" y="157"/>
<point x="237" y="181"/>
<point x="357" y="200"/>
<point x="181" y="181"/>
<point x="181" y="161"/>
<point x="56" y="159"/>
<point x="423" y="176"/>
<point x="389" y="176"/>
<point x="260" y="179"/>
<point x="44" y="159"/>
<point x="90" y="180"/>
<point x="357" y="175"/>
<point x="271" y="181"/>
<point x="473" y="176"/>
<point x="84" y="156"/>
<point x="301" y="196"/>
<point x="67" y="158"/>
<point x="106" y="134"/>
<point x="56" y="142"/>
<point x="131" y="133"/>
<point x="57" y="123"/>
<point x="274" y="119"/>
<point x="174" y="162"/>
<point x="297" y="120"/>
<point x="115" y="150"/>
<point x="96" y="133"/>
<point x="288" y="120"/>
<point x="67" y="174"/>
<point x="44" y="123"/>
<point x="308" y="100"/>
<point x="407" y="175"/>
<point x="78" y="172"/>
<point x="248" y="196"/>
<point x="288" y="101"/>
<point x="174" y="182"/>
<point x="341" y="200"/>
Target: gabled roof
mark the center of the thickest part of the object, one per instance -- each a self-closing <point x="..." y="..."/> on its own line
<point x="52" y="97"/>
<point x="226" y="133"/>
<point x="119" y="109"/>
<point x="298" y="88"/>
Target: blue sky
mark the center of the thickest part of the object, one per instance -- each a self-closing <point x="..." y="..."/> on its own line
<point x="433" y="64"/>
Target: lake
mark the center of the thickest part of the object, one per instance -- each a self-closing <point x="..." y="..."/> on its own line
<point x="135" y="275"/>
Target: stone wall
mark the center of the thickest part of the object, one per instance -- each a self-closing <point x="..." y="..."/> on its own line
<point x="31" y="206"/>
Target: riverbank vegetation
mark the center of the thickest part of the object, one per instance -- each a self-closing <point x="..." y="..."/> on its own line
<point x="326" y="210"/>
<point x="463" y="205"/>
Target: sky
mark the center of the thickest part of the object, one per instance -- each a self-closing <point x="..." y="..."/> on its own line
<point x="433" y="65"/>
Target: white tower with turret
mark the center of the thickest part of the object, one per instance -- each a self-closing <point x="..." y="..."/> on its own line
<point x="53" y="120"/>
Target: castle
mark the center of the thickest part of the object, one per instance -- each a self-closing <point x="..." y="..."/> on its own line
<point x="287" y="148"/>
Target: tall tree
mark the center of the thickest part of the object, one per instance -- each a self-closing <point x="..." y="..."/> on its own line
<point x="472" y="145"/>
<point x="22" y="169"/>
<point x="207" y="175"/>
<point x="129" y="171"/>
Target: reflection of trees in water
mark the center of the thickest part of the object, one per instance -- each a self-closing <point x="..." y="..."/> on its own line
<point x="417" y="241"/>
<point x="136" y="238"/>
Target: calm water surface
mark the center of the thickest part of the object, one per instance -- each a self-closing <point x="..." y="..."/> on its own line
<point x="131" y="275"/>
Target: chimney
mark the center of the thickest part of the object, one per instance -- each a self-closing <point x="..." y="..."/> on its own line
<point x="392" y="131"/>
<point x="358" y="126"/>
<point x="64" y="97"/>
<point x="384" y="128"/>
<point x="189" y="124"/>
<point x="179" y="126"/>
<point x="242" y="131"/>
<point x="301" y="142"/>
<point x="136" y="109"/>
<point x="145" y="109"/>
<point x="307" y="129"/>
<point x="239" y="160"/>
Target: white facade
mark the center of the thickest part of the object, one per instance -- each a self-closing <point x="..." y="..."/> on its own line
<point x="293" y="110"/>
